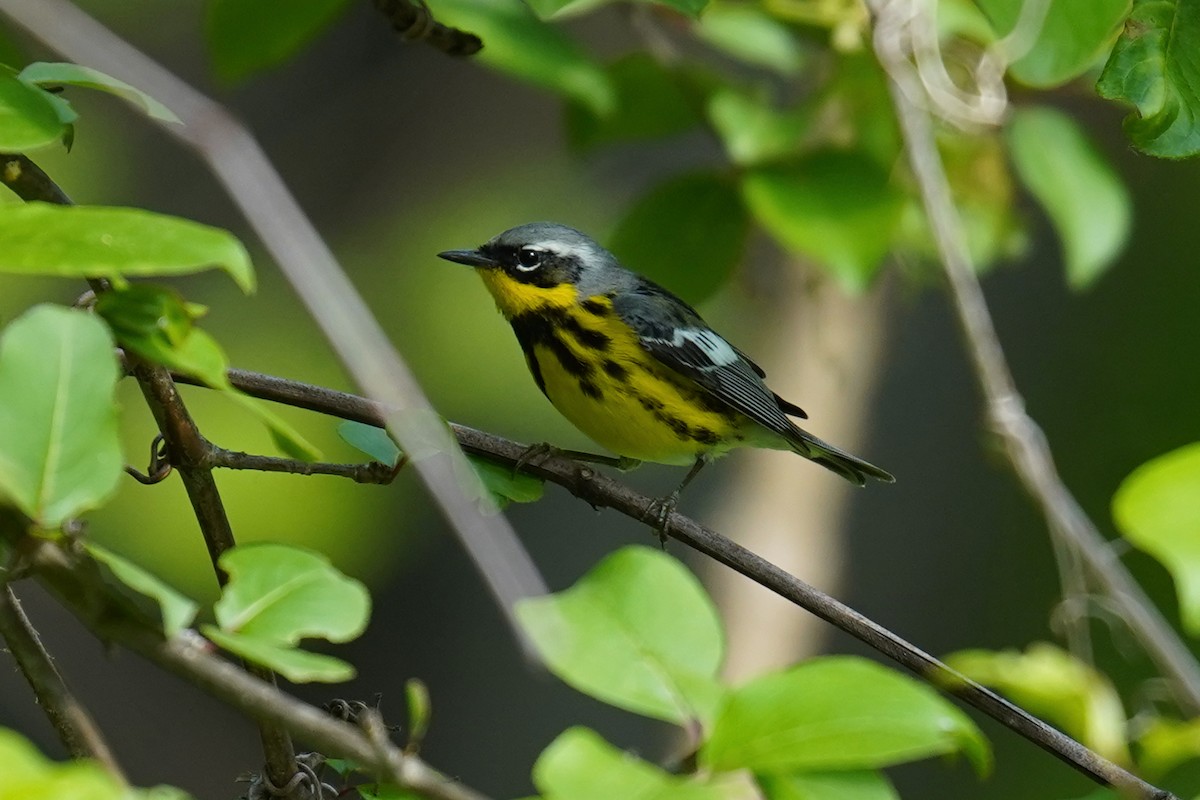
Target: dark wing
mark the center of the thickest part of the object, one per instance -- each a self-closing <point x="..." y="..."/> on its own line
<point x="674" y="333"/>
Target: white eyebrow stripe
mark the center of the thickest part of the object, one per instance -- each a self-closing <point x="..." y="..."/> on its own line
<point x="712" y="345"/>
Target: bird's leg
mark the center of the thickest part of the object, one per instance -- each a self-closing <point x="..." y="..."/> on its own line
<point x="536" y="453"/>
<point x="660" y="510"/>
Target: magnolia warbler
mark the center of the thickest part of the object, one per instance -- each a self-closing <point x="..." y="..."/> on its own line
<point x="632" y="365"/>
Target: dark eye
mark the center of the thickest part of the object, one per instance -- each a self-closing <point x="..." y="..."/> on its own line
<point x="529" y="258"/>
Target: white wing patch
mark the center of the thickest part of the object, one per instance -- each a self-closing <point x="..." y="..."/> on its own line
<point x="713" y="346"/>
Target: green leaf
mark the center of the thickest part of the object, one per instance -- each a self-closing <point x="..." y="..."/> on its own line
<point x="100" y="241"/>
<point x="289" y="440"/>
<point x="59" y="452"/>
<point x="371" y="440"/>
<point x="519" y="44"/>
<point x="580" y="765"/>
<point x="1167" y="743"/>
<point x="298" y="666"/>
<point x="44" y="74"/>
<point x="687" y="233"/>
<point x="386" y="791"/>
<point x="277" y="595"/>
<point x="505" y="485"/>
<point x="753" y="131"/>
<point x="1153" y="67"/>
<point x="828" y="786"/>
<point x="650" y="102"/>
<point x="29" y="775"/>
<point x="248" y="36"/>
<point x="1050" y="682"/>
<point x="156" y="323"/>
<point x="173" y="609"/>
<point x="29" y="117"/>
<point x="1072" y="38"/>
<point x="283" y="594"/>
<point x="637" y="632"/>
<point x="838" y="713"/>
<point x="1157" y="508"/>
<point x="1081" y="193"/>
<point x="420" y="710"/>
<point x="752" y="35"/>
<point x="836" y="208"/>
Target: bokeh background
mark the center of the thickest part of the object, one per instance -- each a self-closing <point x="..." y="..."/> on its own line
<point x="398" y="152"/>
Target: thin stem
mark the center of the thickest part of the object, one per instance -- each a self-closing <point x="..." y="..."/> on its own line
<point x="1024" y="441"/>
<point x="601" y="491"/>
<point x="373" y="472"/>
<point x="70" y="719"/>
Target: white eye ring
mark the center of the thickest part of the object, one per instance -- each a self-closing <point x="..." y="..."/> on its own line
<point x="533" y="252"/>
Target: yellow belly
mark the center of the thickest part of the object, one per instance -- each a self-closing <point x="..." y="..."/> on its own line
<point x="649" y="413"/>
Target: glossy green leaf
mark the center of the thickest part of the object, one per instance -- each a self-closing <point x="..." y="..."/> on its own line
<point x="45" y="74"/>
<point x="99" y="241"/>
<point x="371" y="440"/>
<point x="298" y="666"/>
<point x="29" y="117"/>
<point x="156" y="323"/>
<point x="838" y="713"/>
<point x="282" y="594"/>
<point x="1051" y="683"/>
<point x="651" y="101"/>
<point x="851" y="785"/>
<point x="580" y="765"/>
<point x="1166" y="743"/>
<point x="1074" y="35"/>
<point x="174" y="610"/>
<point x="29" y="775"/>
<point x="1081" y="193"/>
<point x="519" y="44"/>
<point x="750" y="34"/>
<point x="505" y="485"/>
<point x="837" y="208"/>
<point x="247" y="36"/>
<point x="59" y="452"/>
<point x="753" y="131"/>
<point x="1157" y="508"/>
<point x="638" y="631"/>
<point x="1154" y="67"/>
<point x="687" y="233"/>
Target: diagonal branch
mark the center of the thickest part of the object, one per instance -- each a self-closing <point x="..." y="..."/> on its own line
<point x="71" y="720"/>
<point x="602" y="491"/>
<point x="1025" y="443"/>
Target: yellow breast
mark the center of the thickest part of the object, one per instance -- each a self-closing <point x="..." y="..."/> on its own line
<point x="602" y="380"/>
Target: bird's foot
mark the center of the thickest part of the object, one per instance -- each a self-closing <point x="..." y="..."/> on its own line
<point x="535" y="453"/>
<point x="658" y="516"/>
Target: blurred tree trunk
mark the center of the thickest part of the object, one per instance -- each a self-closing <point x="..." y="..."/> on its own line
<point x="825" y="355"/>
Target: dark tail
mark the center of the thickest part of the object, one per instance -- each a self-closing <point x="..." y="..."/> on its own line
<point x="852" y="468"/>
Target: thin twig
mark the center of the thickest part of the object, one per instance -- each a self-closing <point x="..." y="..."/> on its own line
<point x="413" y="20"/>
<point x="239" y="163"/>
<point x="372" y="472"/>
<point x="70" y="719"/>
<point x="601" y="491"/>
<point x="186" y="450"/>
<point x="191" y="658"/>
<point x="1024" y="441"/>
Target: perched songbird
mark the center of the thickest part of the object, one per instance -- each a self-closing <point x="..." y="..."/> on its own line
<point x="632" y="365"/>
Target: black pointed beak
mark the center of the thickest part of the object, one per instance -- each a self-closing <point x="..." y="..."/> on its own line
<point x="472" y="258"/>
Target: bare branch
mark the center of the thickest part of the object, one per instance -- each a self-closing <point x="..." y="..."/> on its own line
<point x="372" y="472"/>
<point x="601" y="491"/>
<point x="412" y="20"/>
<point x="238" y="162"/>
<point x="72" y="722"/>
<point x="1024" y="441"/>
